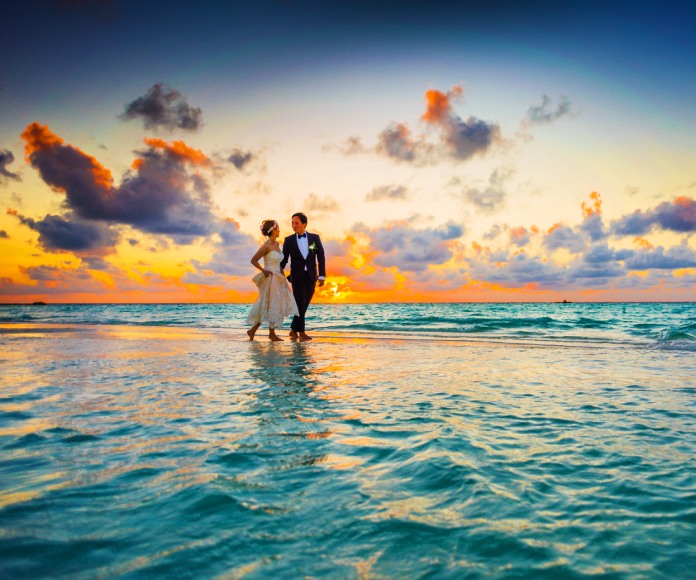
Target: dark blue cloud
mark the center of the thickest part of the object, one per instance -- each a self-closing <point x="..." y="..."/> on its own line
<point x="593" y="227"/>
<point x="562" y="236"/>
<point x="658" y="258"/>
<point x="163" y="107"/>
<point x="471" y="137"/>
<point x="6" y="157"/>
<point x="678" y="216"/>
<point x="56" y="233"/>
<point x="240" y="159"/>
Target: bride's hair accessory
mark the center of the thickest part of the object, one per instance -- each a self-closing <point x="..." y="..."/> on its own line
<point x="267" y="226"/>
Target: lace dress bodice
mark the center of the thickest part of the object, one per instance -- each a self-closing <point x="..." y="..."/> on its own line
<point x="272" y="260"/>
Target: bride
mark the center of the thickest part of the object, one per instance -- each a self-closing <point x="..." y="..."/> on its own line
<point x="275" y="300"/>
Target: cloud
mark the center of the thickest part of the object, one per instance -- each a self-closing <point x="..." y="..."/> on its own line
<point x="397" y="143"/>
<point x="240" y="159"/>
<point x="57" y="234"/>
<point x="458" y="139"/>
<point x="470" y="137"/>
<point x="593" y="227"/>
<point x="231" y="254"/>
<point x="519" y="236"/>
<point x="400" y="245"/>
<point x="352" y="146"/>
<point x="314" y="203"/>
<point x="463" y="138"/>
<point x="601" y="254"/>
<point x="562" y="236"/>
<point x="6" y="157"/>
<point x="515" y="271"/>
<point x="494" y="231"/>
<point x="389" y="192"/>
<point x="164" y="193"/>
<point x="439" y="105"/>
<point x="492" y="197"/>
<point x="658" y="258"/>
<point x="544" y="114"/>
<point x="678" y="216"/>
<point x="165" y="108"/>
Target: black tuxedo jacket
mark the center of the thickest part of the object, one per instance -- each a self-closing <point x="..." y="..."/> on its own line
<point x="315" y="257"/>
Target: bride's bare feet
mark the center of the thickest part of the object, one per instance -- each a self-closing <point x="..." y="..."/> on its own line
<point x="273" y="336"/>
<point x="252" y="331"/>
<point x="304" y="337"/>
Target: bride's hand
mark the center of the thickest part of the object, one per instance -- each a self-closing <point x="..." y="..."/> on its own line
<point x="267" y="273"/>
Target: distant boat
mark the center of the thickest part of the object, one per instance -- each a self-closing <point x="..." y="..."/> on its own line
<point x="564" y="302"/>
<point x="38" y="304"/>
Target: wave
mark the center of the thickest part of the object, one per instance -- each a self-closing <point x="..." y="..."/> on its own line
<point x="682" y="337"/>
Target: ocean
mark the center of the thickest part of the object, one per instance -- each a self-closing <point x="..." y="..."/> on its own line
<point x="404" y="441"/>
<point x="653" y="325"/>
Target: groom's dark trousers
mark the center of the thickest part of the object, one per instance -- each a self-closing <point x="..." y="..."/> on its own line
<point x="302" y="290"/>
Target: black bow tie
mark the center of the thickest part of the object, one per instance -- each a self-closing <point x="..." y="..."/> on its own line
<point x="301" y="236"/>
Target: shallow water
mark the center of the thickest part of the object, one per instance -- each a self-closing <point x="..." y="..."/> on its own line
<point x="669" y="326"/>
<point x="140" y="451"/>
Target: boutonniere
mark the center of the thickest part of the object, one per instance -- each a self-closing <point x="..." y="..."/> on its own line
<point x="313" y="247"/>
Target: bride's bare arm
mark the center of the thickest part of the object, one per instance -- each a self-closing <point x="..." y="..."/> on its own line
<point x="263" y="250"/>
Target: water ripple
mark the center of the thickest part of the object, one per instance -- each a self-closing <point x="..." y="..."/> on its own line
<point x="204" y="455"/>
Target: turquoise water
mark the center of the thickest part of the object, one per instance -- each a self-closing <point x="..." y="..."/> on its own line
<point x="157" y="445"/>
<point x="660" y="325"/>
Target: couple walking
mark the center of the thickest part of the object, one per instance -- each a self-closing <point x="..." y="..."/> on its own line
<point x="276" y="301"/>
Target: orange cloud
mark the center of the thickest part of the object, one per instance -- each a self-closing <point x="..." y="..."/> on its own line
<point x="180" y="150"/>
<point x="594" y="208"/>
<point x="643" y="243"/>
<point x="438" y="104"/>
<point x="40" y="139"/>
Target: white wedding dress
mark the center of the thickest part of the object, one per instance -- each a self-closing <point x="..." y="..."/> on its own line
<point x="275" y="301"/>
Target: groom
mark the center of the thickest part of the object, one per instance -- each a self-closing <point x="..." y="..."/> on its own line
<point x="304" y="250"/>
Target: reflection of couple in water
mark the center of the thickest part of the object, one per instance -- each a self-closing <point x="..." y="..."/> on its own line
<point x="276" y="301"/>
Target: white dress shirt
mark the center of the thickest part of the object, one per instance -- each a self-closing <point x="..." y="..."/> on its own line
<point x="303" y="245"/>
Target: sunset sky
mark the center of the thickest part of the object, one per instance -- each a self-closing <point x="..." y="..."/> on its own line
<point x="507" y="151"/>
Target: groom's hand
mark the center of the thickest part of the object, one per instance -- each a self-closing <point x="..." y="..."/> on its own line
<point x="320" y="282"/>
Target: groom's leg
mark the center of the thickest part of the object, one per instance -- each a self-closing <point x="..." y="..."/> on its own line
<point x="303" y="292"/>
<point x="299" y="291"/>
<point x="310" y="285"/>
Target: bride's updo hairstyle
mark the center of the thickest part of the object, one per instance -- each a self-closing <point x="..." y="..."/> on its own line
<point x="267" y="227"/>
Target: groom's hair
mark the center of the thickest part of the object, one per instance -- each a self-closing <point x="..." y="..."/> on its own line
<point x="303" y="217"/>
